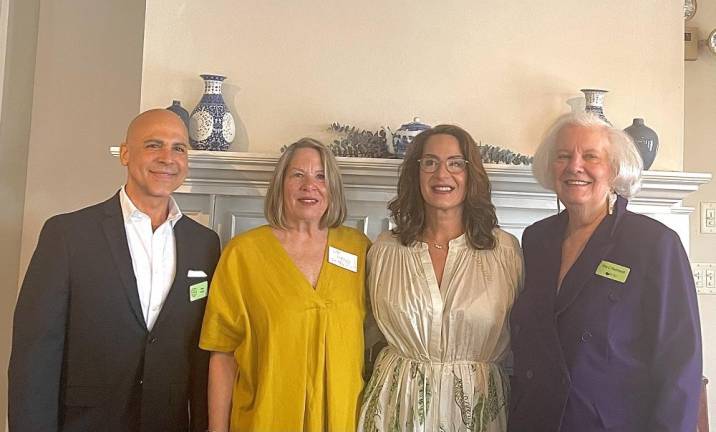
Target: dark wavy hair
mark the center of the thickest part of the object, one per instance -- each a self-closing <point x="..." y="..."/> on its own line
<point x="408" y="208"/>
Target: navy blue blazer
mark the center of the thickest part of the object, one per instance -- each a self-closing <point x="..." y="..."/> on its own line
<point x="602" y="355"/>
<point x="82" y="356"/>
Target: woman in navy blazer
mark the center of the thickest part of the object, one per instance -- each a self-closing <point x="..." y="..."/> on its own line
<point x="606" y="333"/>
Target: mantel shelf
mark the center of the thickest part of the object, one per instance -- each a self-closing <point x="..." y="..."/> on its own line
<point x="226" y="169"/>
<point x="226" y="190"/>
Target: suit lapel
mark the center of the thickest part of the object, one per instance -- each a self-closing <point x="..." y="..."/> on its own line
<point x="583" y="270"/>
<point x="113" y="226"/>
<point x="550" y="258"/>
<point x="179" y="287"/>
<point x="545" y="269"/>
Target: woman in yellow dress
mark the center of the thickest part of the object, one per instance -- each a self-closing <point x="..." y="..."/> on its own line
<point x="284" y="319"/>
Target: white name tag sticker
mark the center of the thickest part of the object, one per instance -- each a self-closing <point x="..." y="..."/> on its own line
<point x="342" y="259"/>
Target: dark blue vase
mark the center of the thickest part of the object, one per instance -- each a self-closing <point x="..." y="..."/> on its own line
<point x="211" y="126"/>
<point x="645" y="139"/>
<point x="179" y="110"/>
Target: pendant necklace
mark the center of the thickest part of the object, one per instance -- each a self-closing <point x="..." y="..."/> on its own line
<point x="433" y="244"/>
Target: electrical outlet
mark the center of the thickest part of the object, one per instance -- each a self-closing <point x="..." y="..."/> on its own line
<point x="704" y="277"/>
<point x="698" y="278"/>
<point x="708" y="217"/>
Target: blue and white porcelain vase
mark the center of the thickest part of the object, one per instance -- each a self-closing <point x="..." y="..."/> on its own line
<point x="405" y="134"/>
<point x="595" y="102"/>
<point x="211" y="126"/>
<point x="645" y="140"/>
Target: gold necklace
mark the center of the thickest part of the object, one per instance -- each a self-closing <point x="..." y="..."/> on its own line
<point x="434" y="244"/>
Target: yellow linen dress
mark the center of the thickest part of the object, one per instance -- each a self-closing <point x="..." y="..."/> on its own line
<point x="442" y="369"/>
<point x="299" y="350"/>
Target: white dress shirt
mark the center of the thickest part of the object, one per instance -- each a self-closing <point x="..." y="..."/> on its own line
<point x="153" y="255"/>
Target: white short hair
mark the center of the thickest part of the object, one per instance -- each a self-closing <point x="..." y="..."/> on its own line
<point x="623" y="155"/>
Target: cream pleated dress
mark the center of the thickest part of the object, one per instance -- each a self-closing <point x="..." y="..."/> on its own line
<point x="443" y="367"/>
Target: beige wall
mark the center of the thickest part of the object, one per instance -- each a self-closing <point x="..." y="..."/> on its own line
<point x="699" y="150"/>
<point x="501" y="69"/>
<point x="17" y="64"/>
<point x="87" y="82"/>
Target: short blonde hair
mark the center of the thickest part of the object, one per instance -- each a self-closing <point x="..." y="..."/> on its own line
<point x="273" y="205"/>
<point x="624" y="158"/>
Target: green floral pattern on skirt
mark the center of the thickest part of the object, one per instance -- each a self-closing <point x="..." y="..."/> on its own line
<point x="407" y="395"/>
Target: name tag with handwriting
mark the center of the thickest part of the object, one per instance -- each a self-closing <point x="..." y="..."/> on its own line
<point x="342" y="259"/>
<point x="613" y="271"/>
<point x="198" y="291"/>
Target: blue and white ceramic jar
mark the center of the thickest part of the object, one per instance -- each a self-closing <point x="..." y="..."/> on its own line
<point x="402" y="137"/>
<point x="211" y="126"/>
<point x="594" y="102"/>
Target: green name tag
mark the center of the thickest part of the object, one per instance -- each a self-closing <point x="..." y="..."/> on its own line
<point x="613" y="271"/>
<point x="198" y="291"/>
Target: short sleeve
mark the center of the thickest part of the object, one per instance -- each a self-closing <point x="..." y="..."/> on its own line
<point x="224" y="326"/>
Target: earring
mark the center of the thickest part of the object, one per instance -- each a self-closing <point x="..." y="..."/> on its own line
<point x="611" y="200"/>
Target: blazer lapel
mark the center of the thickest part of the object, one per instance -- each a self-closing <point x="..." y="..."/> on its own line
<point x="179" y="287"/>
<point x="113" y="226"/>
<point x="545" y="264"/>
<point x="550" y="259"/>
<point x="583" y="270"/>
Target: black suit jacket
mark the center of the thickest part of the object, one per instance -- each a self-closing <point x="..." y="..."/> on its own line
<point x="82" y="357"/>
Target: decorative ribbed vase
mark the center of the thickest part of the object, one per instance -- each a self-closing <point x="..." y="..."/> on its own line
<point x="211" y="126"/>
<point x="595" y="102"/>
<point x="645" y="139"/>
<point x="179" y="110"/>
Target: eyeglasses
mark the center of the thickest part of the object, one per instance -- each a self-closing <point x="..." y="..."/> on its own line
<point x="454" y="165"/>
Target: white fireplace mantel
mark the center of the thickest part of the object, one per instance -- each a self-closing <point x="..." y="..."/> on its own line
<point x="225" y="191"/>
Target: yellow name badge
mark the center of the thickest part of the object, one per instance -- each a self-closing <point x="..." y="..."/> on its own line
<point x="198" y="291"/>
<point x="613" y="271"/>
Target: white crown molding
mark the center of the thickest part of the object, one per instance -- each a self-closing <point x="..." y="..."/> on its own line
<point x="239" y="173"/>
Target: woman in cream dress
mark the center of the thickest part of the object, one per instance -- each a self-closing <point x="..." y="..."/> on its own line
<point x="442" y="284"/>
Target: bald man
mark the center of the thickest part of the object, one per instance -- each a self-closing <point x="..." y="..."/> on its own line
<point x="106" y="328"/>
